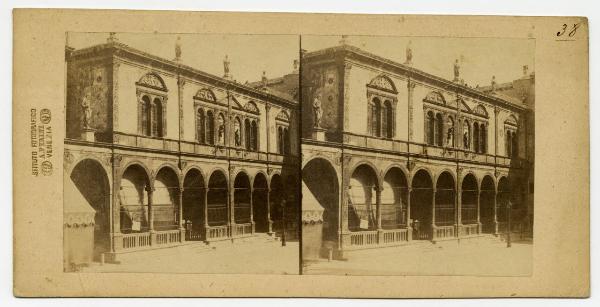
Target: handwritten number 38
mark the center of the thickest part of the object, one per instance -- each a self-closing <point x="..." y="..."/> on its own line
<point x="564" y="30"/>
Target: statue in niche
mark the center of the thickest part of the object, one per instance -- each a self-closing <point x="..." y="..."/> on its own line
<point x="450" y="136"/>
<point x="237" y="134"/>
<point x="466" y="139"/>
<point x="86" y="108"/>
<point x="221" y="131"/>
<point x="317" y="110"/>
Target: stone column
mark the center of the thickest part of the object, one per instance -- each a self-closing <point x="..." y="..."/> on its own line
<point x="269" y="221"/>
<point x="495" y="223"/>
<point x="409" y="229"/>
<point x="478" y="211"/>
<point x="343" y="238"/>
<point x="150" y="191"/>
<point x="458" y="206"/>
<point x="116" y="234"/>
<point x="252" y="208"/>
<point x="205" y="213"/>
<point x="231" y="211"/>
<point x="378" y="191"/>
<point x="180" y="217"/>
<point x="433" y="191"/>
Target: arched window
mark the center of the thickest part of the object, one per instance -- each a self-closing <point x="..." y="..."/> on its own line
<point x="439" y="129"/>
<point x="151" y="106"/>
<point x="286" y="141"/>
<point x="254" y="136"/>
<point x="156" y="118"/>
<point x="476" y="137"/>
<point x="200" y="126"/>
<point x="280" y="140"/>
<point x="210" y="127"/>
<point x="376" y="117"/>
<point x="508" y="143"/>
<point x="145" y="116"/>
<point x="484" y="137"/>
<point x="430" y="128"/>
<point x="388" y="121"/>
<point x="515" y="145"/>
<point x="247" y="134"/>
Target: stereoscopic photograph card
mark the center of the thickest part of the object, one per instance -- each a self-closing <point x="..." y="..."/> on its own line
<point x="299" y="155"/>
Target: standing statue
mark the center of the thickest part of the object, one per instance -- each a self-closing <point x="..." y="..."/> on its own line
<point x="493" y="83"/>
<point x="178" y="48"/>
<point x="226" y="66"/>
<point x="87" y="108"/>
<point x="466" y="139"/>
<point x="456" y="70"/>
<point x="408" y="53"/>
<point x="450" y="137"/>
<point x="317" y="110"/>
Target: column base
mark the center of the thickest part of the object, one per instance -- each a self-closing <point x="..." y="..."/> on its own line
<point x="181" y="234"/>
<point x="117" y="239"/>
<point x="409" y="233"/>
<point x="152" y="237"/>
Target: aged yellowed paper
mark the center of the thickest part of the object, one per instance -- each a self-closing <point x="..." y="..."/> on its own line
<point x="298" y="155"/>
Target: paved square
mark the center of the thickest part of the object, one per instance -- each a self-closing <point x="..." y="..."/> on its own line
<point x="239" y="258"/>
<point x="483" y="257"/>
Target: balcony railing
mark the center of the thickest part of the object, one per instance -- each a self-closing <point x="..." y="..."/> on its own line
<point x="405" y="147"/>
<point x="200" y="149"/>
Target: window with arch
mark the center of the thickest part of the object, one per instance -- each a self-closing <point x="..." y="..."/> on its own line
<point x="381" y="117"/>
<point x="254" y="136"/>
<point x="251" y="134"/>
<point x="439" y="129"/>
<point x="283" y="132"/>
<point x="210" y="127"/>
<point x="511" y="137"/>
<point x="376" y="117"/>
<point x="152" y="98"/>
<point x="430" y="128"/>
<point x="512" y="143"/>
<point x="476" y="136"/>
<point x="381" y="97"/>
<point x="283" y="140"/>
<point x="200" y="126"/>
<point x="247" y="134"/>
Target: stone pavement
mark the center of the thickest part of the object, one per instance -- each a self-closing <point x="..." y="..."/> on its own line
<point x="254" y="256"/>
<point x="485" y="256"/>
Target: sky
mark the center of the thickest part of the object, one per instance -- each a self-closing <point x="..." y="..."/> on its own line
<point x="249" y="55"/>
<point x="480" y="58"/>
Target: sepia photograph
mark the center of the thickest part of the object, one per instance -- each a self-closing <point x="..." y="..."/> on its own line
<point x="417" y="155"/>
<point x="238" y="154"/>
<point x="181" y="153"/>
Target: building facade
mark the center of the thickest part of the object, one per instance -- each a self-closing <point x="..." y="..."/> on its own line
<point x="165" y="153"/>
<point x="394" y="154"/>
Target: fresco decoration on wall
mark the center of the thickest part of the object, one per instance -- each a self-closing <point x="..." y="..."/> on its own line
<point x="324" y="81"/>
<point x="91" y="99"/>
